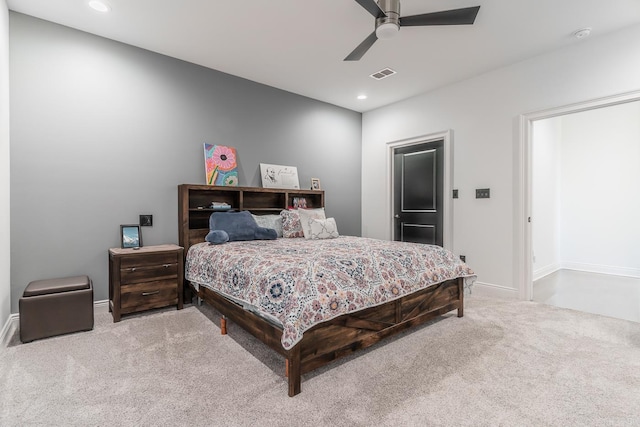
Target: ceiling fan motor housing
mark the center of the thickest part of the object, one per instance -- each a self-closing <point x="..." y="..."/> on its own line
<point x="388" y="21"/>
<point x="388" y="26"/>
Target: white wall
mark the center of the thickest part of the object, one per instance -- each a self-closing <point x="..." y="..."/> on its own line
<point x="599" y="185"/>
<point x="483" y="113"/>
<point x="5" y="275"/>
<point x="545" y="153"/>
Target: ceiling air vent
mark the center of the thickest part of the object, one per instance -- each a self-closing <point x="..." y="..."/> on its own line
<point x="379" y="75"/>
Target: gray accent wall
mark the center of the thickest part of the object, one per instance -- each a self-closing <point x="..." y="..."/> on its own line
<point x="102" y="132"/>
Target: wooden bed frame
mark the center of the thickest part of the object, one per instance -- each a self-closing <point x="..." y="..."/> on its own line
<point x="327" y="341"/>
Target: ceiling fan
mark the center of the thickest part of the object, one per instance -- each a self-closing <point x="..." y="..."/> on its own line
<point x="388" y="21"/>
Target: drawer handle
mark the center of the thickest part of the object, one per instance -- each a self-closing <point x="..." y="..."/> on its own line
<point x="133" y="269"/>
<point x="167" y="265"/>
<point x="146" y="294"/>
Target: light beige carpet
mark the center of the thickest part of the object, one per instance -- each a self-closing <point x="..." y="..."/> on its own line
<point x="505" y="363"/>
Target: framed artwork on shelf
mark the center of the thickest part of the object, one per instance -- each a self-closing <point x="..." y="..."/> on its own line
<point x="299" y="203"/>
<point x="276" y="176"/>
<point x="221" y="165"/>
<point x="130" y="236"/>
<point x="315" y="184"/>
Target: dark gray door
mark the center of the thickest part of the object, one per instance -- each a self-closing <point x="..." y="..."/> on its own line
<point x="418" y="184"/>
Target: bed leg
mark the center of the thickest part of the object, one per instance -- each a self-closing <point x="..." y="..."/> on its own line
<point x="461" y="295"/>
<point x="199" y="301"/>
<point x="286" y="368"/>
<point x="293" y="362"/>
<point x="223" y="326"/>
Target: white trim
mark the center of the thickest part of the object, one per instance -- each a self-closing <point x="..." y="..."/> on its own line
<point x="13" y="322"/>
<point x="587" y="268"/>
<point x="602" y="269"/>
<point x="523" y="259"/>
<point x="447" y="203"/>
<point x="101" y="306"/>
<point x="493" y="291"/>
<point x="545" y="271"/>
<point x="8" y="329"/>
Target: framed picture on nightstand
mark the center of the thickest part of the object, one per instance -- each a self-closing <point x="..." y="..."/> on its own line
<point x="130" y="236"/>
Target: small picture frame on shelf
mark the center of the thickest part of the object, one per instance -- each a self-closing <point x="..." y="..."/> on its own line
<point x="130" y="236"/>
<point x="315" y="183"/>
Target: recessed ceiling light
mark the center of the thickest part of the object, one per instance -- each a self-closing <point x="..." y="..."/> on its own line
<point x="362" y="96"/>
<point x="99" y="6"/>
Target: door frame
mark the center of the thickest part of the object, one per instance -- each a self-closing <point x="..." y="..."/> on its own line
<point x="523" y="243"/>
<point x="447" y="203"/>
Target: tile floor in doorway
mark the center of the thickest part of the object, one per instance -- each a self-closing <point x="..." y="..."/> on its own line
<point x="613" y="296"/>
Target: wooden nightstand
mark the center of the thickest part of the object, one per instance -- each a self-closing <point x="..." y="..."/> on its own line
<point x="145" y="278"/>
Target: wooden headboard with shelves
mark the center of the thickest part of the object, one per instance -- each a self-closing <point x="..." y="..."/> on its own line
<point x="194" y="203"/>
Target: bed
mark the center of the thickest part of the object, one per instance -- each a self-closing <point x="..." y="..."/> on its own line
<point x="314" y="301"/>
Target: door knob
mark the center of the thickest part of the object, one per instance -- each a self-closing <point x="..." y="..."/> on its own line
<point x="396" y="216"/>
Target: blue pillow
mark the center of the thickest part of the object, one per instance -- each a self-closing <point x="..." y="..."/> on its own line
<point x="263" y="233"/>
<point x="236" y="226"/>
<point x="217" y="236"/>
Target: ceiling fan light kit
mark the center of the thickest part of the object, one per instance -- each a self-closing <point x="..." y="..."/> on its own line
<point x="388" y="21"/>
<point x="387" y="30"/>
<point x="388" y="25"/>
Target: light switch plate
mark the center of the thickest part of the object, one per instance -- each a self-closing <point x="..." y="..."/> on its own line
<point x="483" y="193"/>
<point x="146" y="220"/>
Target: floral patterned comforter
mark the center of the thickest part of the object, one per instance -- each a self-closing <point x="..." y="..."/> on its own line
<point x="305" y="282"/>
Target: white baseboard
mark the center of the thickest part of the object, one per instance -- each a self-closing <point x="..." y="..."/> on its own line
<point x="12" y="323"/>
<point x="602" y="269"/>
<point x="545" y="271"/>
<point x="494" y="291"/>
<point x="9" y="328"/>
<point x="101" y="306"/>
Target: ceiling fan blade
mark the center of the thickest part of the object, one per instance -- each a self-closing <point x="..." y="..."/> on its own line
<point x="362" y="48"/>
<point x="372" y="7"/>
<point x="463" y="16"/>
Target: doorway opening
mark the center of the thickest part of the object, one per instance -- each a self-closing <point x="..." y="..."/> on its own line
<point x="526" y="216"/>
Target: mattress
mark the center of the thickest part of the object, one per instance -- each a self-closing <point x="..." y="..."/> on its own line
<point x="299" y="283"/>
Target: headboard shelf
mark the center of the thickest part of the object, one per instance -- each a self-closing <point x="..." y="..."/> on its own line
<point x="194" y="201"/>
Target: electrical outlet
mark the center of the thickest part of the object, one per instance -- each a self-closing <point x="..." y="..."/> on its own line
<point x="463" y="258"/>
<point x="482" y="193"/>
<point x="455" y="194"/>
<point x="146" y="220"/>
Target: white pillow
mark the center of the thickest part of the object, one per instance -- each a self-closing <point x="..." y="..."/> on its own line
<point x="270" y="221"/>
<point x="323" y="228"/>
<point x="306" y="215"/>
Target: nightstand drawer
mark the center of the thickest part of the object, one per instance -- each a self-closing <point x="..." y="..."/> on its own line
<point x="145" y="273"/>
<point x="143" y="296"/>
<point x="141" y="259"/>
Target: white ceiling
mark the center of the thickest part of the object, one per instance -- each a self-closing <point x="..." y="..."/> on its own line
<point x="299" y="45"/>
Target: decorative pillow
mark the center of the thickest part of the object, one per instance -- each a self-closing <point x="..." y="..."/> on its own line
<point x="306" y="215"/>
<point x="291" y="226"/>
<point x="270" y="221"/>
<point x="264" y="233"/>
<point x="323" y="228"/>
<point x="217" y="236"/>
<point x="237" y="226"/>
